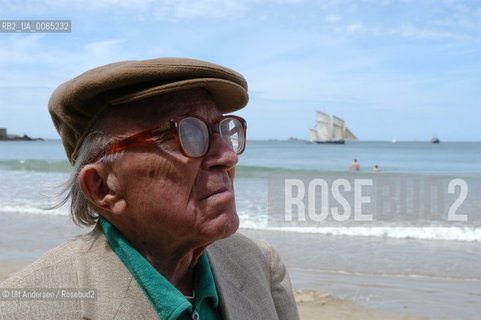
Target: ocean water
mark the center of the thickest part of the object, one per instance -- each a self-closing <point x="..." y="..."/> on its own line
<point x="410" y="257"/>
<point x="410" y="196"/>
<point x="30" y="171"/>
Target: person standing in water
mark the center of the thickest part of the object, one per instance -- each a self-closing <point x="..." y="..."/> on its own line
<point x="355" y="165"/>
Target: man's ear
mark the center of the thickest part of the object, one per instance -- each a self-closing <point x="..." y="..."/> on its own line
<point x="94" y="183"/>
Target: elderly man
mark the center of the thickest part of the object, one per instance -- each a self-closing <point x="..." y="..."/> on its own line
<point x="154" y="160"/>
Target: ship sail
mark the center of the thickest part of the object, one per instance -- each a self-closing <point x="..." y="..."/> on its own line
<point x="313" y="135"/>
<point x="323" y="126"/>
<point x="350" y="135"/>
<point x="338" y="128"/>
<point x="330" y="131"/>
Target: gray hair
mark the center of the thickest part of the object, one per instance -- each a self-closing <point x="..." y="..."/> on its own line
<point x="81" y="210"/>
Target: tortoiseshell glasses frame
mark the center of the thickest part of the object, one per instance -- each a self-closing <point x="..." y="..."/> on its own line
<point x="193" y="135"/>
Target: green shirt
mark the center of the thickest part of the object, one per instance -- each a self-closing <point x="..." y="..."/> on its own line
<point x="168" y="302"/>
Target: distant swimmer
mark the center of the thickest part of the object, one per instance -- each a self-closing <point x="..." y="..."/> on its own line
<point x="355" y="165"/>
<point x="376" y="168"/>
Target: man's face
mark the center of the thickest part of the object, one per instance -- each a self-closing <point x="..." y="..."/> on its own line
<point x="169" y="197"/>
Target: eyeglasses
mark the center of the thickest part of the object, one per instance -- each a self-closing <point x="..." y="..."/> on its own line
<point x="193" y="135"/>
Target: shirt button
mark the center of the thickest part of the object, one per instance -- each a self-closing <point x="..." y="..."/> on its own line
<point x="195" y="316"/>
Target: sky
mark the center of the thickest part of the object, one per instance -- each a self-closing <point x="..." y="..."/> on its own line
<point x="406" y="69"/>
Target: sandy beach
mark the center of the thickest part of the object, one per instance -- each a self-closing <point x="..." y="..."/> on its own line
<point x="367" y="283"/>
<point x="313" y="305"/>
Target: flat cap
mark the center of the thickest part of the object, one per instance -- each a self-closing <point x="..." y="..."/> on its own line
<point x="76" y="104"/>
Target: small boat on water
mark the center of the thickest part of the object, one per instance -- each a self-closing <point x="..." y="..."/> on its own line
<point x="329" y="131"/>
<point x="435" y="140"/>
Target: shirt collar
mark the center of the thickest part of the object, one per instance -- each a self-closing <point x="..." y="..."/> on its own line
<point x="204" y="282"/>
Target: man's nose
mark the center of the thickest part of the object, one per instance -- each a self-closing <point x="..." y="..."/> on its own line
<point x="221" y="154"/>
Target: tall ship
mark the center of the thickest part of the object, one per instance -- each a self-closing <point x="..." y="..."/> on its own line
<point x="331" y="130"/>
<point x="435" y="140"/>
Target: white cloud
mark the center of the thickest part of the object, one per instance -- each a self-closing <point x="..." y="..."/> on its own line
<point x="98" y="53"/>
<point x="186" y="9"/>
<point x="21" y="49"/>
<point x="332" y="18"/>
<point x="161" y="9"/>
<point x="355" y="27"/>
<point x="29" y="61"/>
<point x="127" y="4"/>
<point x="421" y="33"/>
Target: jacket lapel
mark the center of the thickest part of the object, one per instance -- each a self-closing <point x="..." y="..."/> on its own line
<point x="118" y="294"/>
<point x="231" y="280"/>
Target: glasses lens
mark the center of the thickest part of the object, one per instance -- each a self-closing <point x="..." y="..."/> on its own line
<point x="194" y="136"/>
<point x="233" y="133"/>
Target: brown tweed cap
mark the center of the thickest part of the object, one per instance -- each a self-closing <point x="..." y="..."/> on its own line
<point x="76" y="104"/>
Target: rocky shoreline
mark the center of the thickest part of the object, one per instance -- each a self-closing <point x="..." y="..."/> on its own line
<point x="21" y="138"/>
<point x="13" y="137"/>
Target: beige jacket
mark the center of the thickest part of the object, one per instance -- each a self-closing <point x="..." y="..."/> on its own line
<point x="251" y="280"/>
